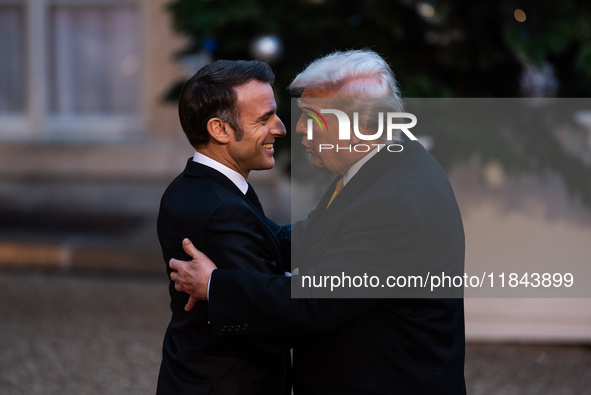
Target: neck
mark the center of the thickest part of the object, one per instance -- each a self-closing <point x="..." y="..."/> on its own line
<point x="221" y="156"/>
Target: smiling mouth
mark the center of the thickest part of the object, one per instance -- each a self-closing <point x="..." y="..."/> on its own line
<point x="268" y="146"/>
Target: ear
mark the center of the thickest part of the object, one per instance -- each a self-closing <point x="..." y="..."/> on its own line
<point x="354" y="139"/>
<point x="363" y="129"/>
<point x="219" y="130"/>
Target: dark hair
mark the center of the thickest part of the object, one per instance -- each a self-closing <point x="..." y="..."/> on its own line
<point x="210" y="93"/>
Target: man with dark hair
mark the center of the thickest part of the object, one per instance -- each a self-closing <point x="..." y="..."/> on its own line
<point x="228" y="112"/>
<point x="390" y="213"/>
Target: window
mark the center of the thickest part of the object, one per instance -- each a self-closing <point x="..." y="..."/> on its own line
<point x="12" y="60"/>
<point x="70" y="69"/>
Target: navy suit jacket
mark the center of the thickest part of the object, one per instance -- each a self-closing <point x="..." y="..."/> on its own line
<point x="365" y="346"/>
<point x="205" y="206"/>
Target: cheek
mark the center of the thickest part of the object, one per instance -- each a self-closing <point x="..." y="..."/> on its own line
<point x="301" y="125"/>
<point x="315" y="161"/>
<point x="324" y="141"/>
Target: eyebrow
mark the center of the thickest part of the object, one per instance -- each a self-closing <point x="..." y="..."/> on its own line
<point x="265" y="115"/>
<point x="301" y="104"/>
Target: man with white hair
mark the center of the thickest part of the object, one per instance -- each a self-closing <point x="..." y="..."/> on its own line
<point x="386" y="212"/>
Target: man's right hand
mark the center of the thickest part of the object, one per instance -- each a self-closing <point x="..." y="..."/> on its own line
<point x="193" y="276"/>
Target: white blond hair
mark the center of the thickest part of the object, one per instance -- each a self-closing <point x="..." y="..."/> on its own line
<point x="354" y="79"/>
<point x="355" y="73"/>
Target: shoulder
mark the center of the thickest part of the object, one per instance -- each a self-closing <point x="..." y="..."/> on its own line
<point x="198" y="198"/>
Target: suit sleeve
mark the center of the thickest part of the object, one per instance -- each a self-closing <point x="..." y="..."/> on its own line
<point x="373" y="242"/>
<point x="239" y="240"/>
<point x="263" y="303"/>
<point x="242" y="244"/>
<point x="283" y="235"/>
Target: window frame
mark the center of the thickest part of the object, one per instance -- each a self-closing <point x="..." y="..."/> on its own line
<point x="36" y="122"/>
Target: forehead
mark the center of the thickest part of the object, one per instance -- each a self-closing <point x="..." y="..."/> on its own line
<point x="314" y="98"/>
<point x="255" y="96"/>
<point x="310" y="93"/>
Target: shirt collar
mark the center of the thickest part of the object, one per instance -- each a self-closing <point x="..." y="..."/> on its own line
<point x="234" y="176"/>
<point x="355" y="168"/>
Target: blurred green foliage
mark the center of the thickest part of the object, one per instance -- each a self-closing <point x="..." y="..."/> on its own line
<point x="439" y="48"/>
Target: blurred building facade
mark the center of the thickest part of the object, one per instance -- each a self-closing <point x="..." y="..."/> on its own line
<point x="84" y="134"/>
<point x="87" y="142"/>
<point x="81" y="99"/>
<point x="87" y="146"/>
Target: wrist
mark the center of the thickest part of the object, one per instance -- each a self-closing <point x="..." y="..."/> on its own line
<point x="208" y="285"/>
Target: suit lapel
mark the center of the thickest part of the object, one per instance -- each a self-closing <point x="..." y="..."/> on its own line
<point x="323" y="218"/>
<point x="318" y="212"/>
<point x="194" y="169"/>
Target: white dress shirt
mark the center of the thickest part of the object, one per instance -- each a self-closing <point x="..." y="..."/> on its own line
<point x="233" y="175"/>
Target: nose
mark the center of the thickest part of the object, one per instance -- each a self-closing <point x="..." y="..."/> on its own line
<point x="279" y="129"/>
<point x="302" y="130"/>
<point x="301" y="125"/>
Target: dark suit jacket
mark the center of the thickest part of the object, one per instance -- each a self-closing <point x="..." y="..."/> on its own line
<point x="205" y="206"/>
<point x="366" y="346"/>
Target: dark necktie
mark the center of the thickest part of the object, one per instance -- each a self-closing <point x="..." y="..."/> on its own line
<point x="252" y="196"/>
